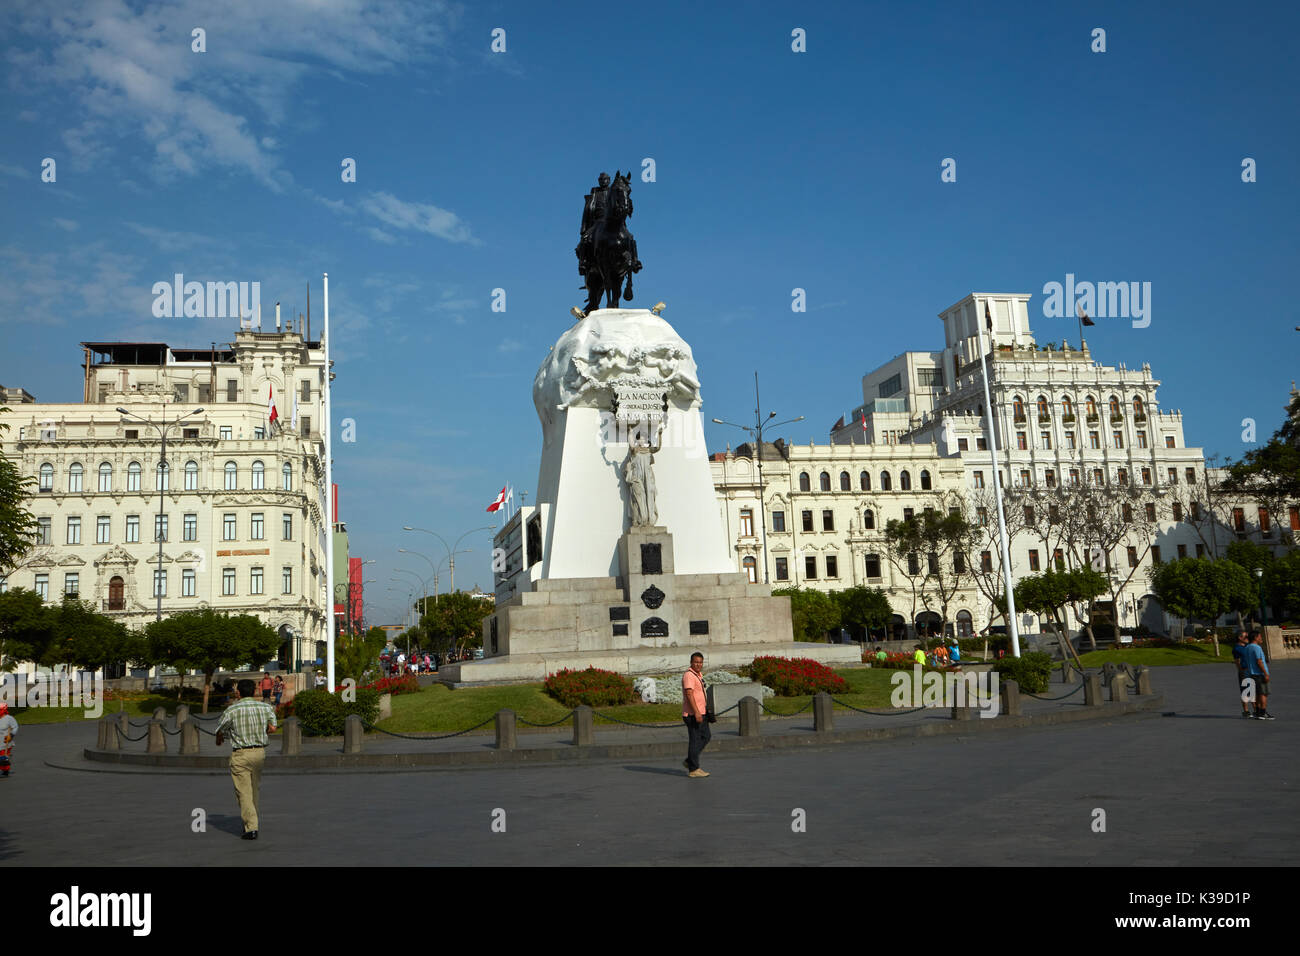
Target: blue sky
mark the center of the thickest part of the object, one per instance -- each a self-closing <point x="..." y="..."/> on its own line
<point x="774" y="170"/>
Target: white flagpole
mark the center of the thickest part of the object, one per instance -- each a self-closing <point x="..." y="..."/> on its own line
<point x="329" y="498"/>
<point x="997" y="493"/>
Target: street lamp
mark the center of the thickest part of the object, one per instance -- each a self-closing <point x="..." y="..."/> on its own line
<point x="162" y="475"/>
<point x="757" y="431"/>
<point x="451" y="549"/>
<point x="1263" y="608"/>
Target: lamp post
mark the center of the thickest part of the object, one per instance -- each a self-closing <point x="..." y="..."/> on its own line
<point x="451" y="549"/>
<point x="1263" y="608"/>
<point x="162" y="477"/>
<point x="757" y="431"/>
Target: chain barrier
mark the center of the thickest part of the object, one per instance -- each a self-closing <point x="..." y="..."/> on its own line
<point x="1062" y="697"/>
<point x="458" y="733"/>
<point x="139" y="723"/>
<point x="879" y="713"/>
<point x="777" y="714"/>
<point x="553" y="723"/>
<point x="122" y="733"/>
<point x="629" y="723"/>
<point x="171" y="733"/>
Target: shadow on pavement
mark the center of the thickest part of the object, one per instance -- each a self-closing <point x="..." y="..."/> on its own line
<point x="667" y="771"/>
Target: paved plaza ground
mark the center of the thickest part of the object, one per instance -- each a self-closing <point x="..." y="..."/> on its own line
<point x="1173" y="788"/>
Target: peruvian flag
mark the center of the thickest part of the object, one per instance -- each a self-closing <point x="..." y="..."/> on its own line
<point x="270" y="402"/>
<point x="499" y="500"/>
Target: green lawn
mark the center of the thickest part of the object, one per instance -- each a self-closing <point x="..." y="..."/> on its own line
<point x="136" y="708"/>
<point x="439" y="710"/>
<point x="1161" y="656"/>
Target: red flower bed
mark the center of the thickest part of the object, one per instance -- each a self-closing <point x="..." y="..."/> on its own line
<point x="792" y="678"/>
<point x="593" y="687"/>
<point x="406" y="684"/>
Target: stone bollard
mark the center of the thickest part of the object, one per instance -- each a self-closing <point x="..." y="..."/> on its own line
<point x="353" y="731"/>
<point x="1092" y="690"/>
<point x="1119" y="688"/>
<point x="1068" y="672"/>
<point x="107" y="739"/>
<point x="182" y="714"/>
<point x="823" y="713"/>
<point x="506" y="730"/>
<point x="584" y="726"/>
<point x="1144" y="681"/>
<point x="157" y="738"/>
<point x="1010" y="691"/>
<point x="749" y="713"/>
<point x="291" y="737"/>
<point x="160" y="713"/>
<point x="189" y="737"/>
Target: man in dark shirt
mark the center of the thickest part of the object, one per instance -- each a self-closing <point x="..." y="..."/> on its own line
<point x="1238" y="650"/>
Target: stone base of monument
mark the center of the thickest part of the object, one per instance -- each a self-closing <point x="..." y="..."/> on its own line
<point x="649" y="620"/>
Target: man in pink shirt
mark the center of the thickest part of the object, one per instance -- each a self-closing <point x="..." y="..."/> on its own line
<point x="695" y="715"/>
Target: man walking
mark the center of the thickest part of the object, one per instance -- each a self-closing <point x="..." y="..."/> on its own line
<point x="1257" y="671"/>
<point x="1238" y="657"/>
<point x="247" y="721"/>
<point x="695" y="716"/>
<point x="8" y="731"/>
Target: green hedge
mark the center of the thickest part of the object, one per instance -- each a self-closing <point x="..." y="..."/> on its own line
<point x="1031" y="671"/>
<point x="324" y="713"/>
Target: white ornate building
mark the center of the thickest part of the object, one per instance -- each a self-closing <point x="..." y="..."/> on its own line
<point x="242" y="514"/>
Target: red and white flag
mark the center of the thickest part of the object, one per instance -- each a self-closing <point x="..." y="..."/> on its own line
<point x="498" y="501"/>
<point x="270" y="403"/>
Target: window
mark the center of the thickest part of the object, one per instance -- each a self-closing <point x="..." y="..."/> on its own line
<point x="189" y="433"/>
<point x="256" y="532"/>
<point x="1029" y="514"/>
<point x="1172" y="475"/>
<point x="1091" y="404"/>
<point x="132" y="529"/>
<point x="259" y="431"/>
<point x="986" y="561"/>
<point x="1018" y="409"/>
<point x="905" y="481"/>
<point x="1045" y="439"/>
<point x="750" y="567"/>
<point x="1178" y="510"/>
<point x="959" y="563"/>
<point x="1121" y="475"/>
<point x="1142" y="439"/>
<point x="1117" y="439"/>
<point x="982" y="515"/>
<point x="161" y="474"/>
<point x="286" y="580"/>
<point x="1169" y="441"/>
<point x="963" y="444"/>
<point x="907" y="514"/>
<point x="227" y="581"/>
<point x="1200" y="550"/>
<point x="1150" y="511"/>
<point x="1069" y="440"/>
<point x="885" y="483"/>
<point x="226" y="433"/>
<point x="1195" y="509"/>
<point x="1098" y="477"/>
<point x="160" y="584"/>
<point x="160" y="527"/>
<point x="864" y="481"/>
<point x="204" y="393"/>
<point x="1182" y="550"/>
<point x="190" y="528"/>
<point x="1132" y="556"/>
<point x="305" y="429"/>
<point x="977" y="479"/>
<point x="824" y="481"/>
<point x="1114" y="405"/>
<point x="47" y="477"/>
<point x="187" y="583"/>
<point x="1295" y="517"/>
<point x="1265" y="529"/>
<point x="228" y="527"/>
<point x="105" y="477"/>
<point x="872" y="566"/>
<point x="286" y="523"/>
<point x="746" y="522"/>
<point x="43" y="586"/>
<point x="1238" y="520"/>
<point x="846" y="483"/>
<point x="74" y="477"/>
<point x="778" y="520"/>
<point x="1126" y="511"/>
<point x="103" y="529"/>
<point x="74" y="530"/>
<point x="255" y="581"/>
<point x="304" y="391"/>
<point x="1067" y="408"/>
<point x="1025" y="481"/>
<point x="1074" y="477"/>
<point x="828" y="520"/>
<point x="1042" y="406"/>
<point x="913" y="564"/>
<point x="1190" y="474"/>
<point x="891" y="386"/>
<point x="810" y="568"/>
<point x="1021" y="442"/>
<point x="286" y="477"/>
<point x="1033" y="559"/>
<point x="1146" y="476"/>
<point x="259" y="476"/>
<point x="805" y="483"/>
<point x="191" y="476"/>
<point x="1058" y="558"/>
<point x="1050" y="477"/>
<point x="1155" y="553"/>
<point x="929" y="377"/>
<point x="932" y="562"/>
<point x="807" y="521"/>
<point x="232" y="476"/>
<point x="1138" y="413"/>
<point x="71" y="584"/>
<point x="981" y="444"/>
<point x="232" y="390"/>
<point x="868" y="520"/>
<point x="1094" y="440"/>
<point x="782" y="569"/>
<point x="133" y="476"/>
<point x="832" y="566"/>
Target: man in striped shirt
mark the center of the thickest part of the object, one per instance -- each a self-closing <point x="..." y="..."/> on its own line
<point x="247" y="722"/>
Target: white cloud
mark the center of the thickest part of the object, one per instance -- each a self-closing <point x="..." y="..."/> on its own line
<point x="417" y="217"/>
<point x="18" y="172"/>
<point x="67" y="225"/>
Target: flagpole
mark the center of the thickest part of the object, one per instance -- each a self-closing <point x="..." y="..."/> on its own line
<point x="329" y="497"/>
<point x="997" y="488"/>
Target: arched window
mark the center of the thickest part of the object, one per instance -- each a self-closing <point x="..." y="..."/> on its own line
<point x="825" y="481"/>
<point x="116" y="597"/>
<point x="161" y="474"/>
<point x="864" y="481"/>
<point x="1018" y="407"/>
<point x="287" y="475"/>
<point x="191" y="476"/>
<point x="905" y="480"/>
<point x="1138" y="411"/>
<point x="925" y="480"/>
<point x="868" y="520"/>
<point x="965" y="626"/>
<point x="232" y="476"/>
<point x="805" y="484"/>
<point x="1114" y="404"/>
<point x="1092" y="407"/>
<point x="1067" y="407"/>
<point x="105" y="477"/>
<point x="1042" y="406"/>
<point x="846" y="483"/>
<point x="751" y="569"/>
<point x="133" y="476"/>
<point x="259" y="476"/>
<point x="47" y="477"/>
<point x="75" y="472"/>
<point x="885" y="483"/>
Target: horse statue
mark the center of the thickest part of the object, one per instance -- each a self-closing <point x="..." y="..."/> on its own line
<point x="610" y="251"/>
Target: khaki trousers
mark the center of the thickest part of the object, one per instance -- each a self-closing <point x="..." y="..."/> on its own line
<point x="246" y="773"/>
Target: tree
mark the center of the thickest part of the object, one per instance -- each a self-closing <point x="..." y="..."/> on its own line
<point x="355" y="654"/>
<point x="26" y="628"/>
<point x="1271" y="474"/>
<point x="455" y="619"/>
<point x="87" y="639"/>
<point x="18" y="527"/>
<point x="812" y="613"/>
<point x="931" y="550"/>
<point x="1049" y="593"/>
<point x="985" y="537"/>
<point x="207" y="641"/>
<point x="867" y="608"/>
<point x="1202" y="589"/>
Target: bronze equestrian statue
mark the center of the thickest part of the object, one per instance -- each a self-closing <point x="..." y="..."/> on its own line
<point x="606" y="251"/>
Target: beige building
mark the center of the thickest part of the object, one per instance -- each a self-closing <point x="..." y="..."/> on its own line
<point x="238" y="507"/>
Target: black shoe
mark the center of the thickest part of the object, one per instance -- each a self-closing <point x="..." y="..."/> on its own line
<point x="1247" y="714"/>
<point x="1266" y="716"/>
<point x="249" y="835"/>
